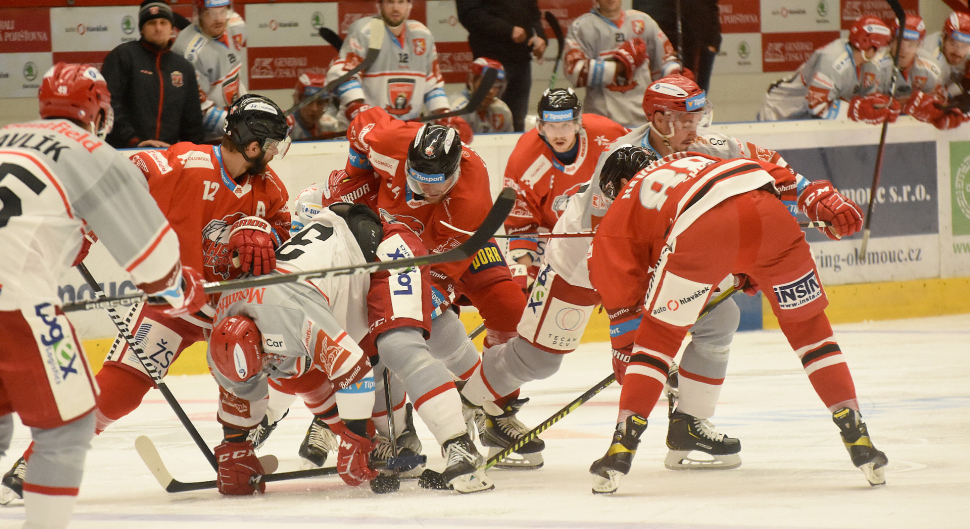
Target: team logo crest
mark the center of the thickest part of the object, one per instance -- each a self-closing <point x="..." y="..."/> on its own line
<point x="399" y="92"/>
<point x="230" y="87"/>
<point x="638" y="26"/>
<point x="869" y="79"/>
<point x="429" y="150"/>
<point x="559" y="203"/>
<point x="419" y="46"/>
<point x="918" y="83"/>
<point x="498" y="121"/>
<point x="176" y="79"/>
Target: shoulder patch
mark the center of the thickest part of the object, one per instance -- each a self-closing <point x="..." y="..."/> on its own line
<point x="539" y="167"/>
<point x="196" y="159"/>
<point x="842" y="62"/>
<point x="160" y="161"/>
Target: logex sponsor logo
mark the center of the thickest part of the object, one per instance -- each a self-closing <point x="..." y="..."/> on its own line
<point x="799" y="292"/>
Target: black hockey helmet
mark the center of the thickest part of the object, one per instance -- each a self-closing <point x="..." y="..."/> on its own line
<point x="433" y="160"/>
<point x="558" y="105"/>
<point x="256" y="118"/>
<point x="623" y="163"/>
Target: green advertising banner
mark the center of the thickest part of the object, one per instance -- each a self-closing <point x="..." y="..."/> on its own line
<point x="960" y="186"/>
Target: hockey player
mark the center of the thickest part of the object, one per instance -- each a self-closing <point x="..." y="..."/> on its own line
<point x="615" y="54"/>
<point x="942" y="61"/>
<point x="216" y="46"/>
<point x="950" y="50"/>
<point x="405" y="76"/>
<point x="548" y="165"/>
<point x="63" y="180"/>
<point x="493" y="115"/>
<point x="827" y="85"/>
<point x="303" y="337"/>
<point x="314" y="119"/>
<point x="674" y="232"/>
<point x="228" y="209"/>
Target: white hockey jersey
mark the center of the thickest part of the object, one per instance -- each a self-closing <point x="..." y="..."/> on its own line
<point x="818" y="87"/>
<point x="54" y="178"/>
<point x="404" y="77"/>
<point x="951" y="75"/>
<point x="220" y="68"/>
<point x="496" y="118"/>
<point x="590" y="37"/>
<point x="924" y="75"/>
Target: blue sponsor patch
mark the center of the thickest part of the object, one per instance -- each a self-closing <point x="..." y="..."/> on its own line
<point x="557" y="116"/>
<point x="696" y="102"/>
<point x="959" y="36"/>
<point x="619" y="329"/>
<point x="364" y="385"/>
<point x="488" y="257"/>
<point x="358" y="160"/>
<point x="426" y="178"/>
<point x="799" y="292"/>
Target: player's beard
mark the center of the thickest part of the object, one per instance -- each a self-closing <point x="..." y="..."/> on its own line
<point x="257" y="166"/>
<point x="390" y="24"/>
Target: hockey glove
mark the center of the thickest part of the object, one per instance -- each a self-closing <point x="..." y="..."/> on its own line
<point x="524" y="275"/>
<point x="821" y="202"/>
<point x="628" y="57"/>
<point x="929" y="108"/>
<point x="237" y="466"/>
<point x="621" y="359"/>
<point x="187" y="296"/>
<point x="874" y="109"/>
<point x="252" y="245"/>
<point x="353" y="456"/>
<point x="354" y="108"/>
<point x="465" y="131"/>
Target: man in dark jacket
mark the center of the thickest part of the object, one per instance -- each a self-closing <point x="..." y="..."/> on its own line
<point x="154" y="93"/>
<point x="509" y="31"/>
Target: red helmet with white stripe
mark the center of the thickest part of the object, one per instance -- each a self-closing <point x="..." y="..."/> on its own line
<point x="869" y="32"/>
<point x="957" y="26"/>
<point x="209" y="4"/>
<point x="915" y="28"/>
<point x="236" y="348"/>
<point x="78" y="92"/>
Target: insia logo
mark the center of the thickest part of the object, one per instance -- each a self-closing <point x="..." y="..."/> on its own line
<point x="799" y="292"/>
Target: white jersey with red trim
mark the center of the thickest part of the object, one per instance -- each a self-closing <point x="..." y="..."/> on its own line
<point x="220" y="68"/>
<point x="496" y="118"/>
<point x="591" y="37"/>
<point x="55" y="177"/>
<point x="404" y="77"/>
<point x="951" y="76"/>
<point x="567" y="256"/>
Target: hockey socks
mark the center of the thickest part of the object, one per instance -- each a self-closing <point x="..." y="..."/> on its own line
<point x="823" y="361"/>
<point x="121" y="392"/>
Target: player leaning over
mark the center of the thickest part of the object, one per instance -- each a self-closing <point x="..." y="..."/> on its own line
<point x="493" y="115"/>
<point x="223" y="202"/>
<point x="947" y="54"/>
<point x="216" y="46"/>
<point x="303" y="337"/>
<point x="674" y="232"/>
<point x="314" y="120"/>
<point x="61" y="180"/>
<point x="828" y="85"/>
<point x="615" y="54"/>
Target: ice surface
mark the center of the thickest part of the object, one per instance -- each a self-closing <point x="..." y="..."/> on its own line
<point x="912" y="377"/>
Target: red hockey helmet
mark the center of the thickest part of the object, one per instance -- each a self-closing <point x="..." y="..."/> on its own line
<point x="957" y="26"/>
<point x="236" y="348"/>
<point x="308" y="84"/>
<point x="78" y="92"/>
<point x="481" y="65"/>
<point x="209" y="4"/>
<point x="675" y="94"/>
<point x="869" y="32"/>
<point x="915" y="28"/>
<point x="341" y="187"/>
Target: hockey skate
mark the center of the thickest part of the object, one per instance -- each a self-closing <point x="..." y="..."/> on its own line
<point x="318" y="442"/>
<point x="463" y="472"/>
<point x="408" y="451"/>
<point x="688" y="434"/>
<point x="500" y="431"/>
<point x="608" y="469"/>
<point x="855" y="435"/>
<point x="12" y="484"/>
<point x="260" y="433"/>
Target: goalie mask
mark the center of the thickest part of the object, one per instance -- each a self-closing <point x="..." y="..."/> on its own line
<point x="236" y="349"/>
<point x="623" y="163"/>
<point x="432" y="167"/>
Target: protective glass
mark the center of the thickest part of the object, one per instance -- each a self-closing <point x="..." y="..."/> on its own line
<point x="278" y="148"/>
<point x="216" y="14"/>
<point x="692" y="120"/>
<point x="429" y="184"/>
<point x="560" y="128"/>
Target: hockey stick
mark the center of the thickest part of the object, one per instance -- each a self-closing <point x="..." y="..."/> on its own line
<point x="375" y="41"/>
<point x="493" y="221"/>
<point x="150" y="368"/>
<point x="569" y="235"/>
<point x="331" y="37"/>
<point x="582" y="399"/>
<point x="874" y="189"/>
<point x="474" y="101"/>
<point x="560" y="43"/>
<point x="397" y="463"/>
<point x="149" y="454"/>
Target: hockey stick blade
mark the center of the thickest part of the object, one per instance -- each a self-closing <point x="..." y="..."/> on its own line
<point x="474" y="101"/>
<point x="331" y="37"/>
<point x="149" y="454"/>
<point x="375" y="41"/>
<point x="493" y="221"/>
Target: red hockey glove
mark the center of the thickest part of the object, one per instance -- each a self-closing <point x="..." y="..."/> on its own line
<point x="353" y="456"/>
<point x="188" y="296"/>
<point x="465" y="131"/>
<point x="251" y="244"/>
<point x="933" y="109"/>
<point x="628" y="56"/>
<point x="821" y="202"/>
<point x="89" y="238"/>
<point x="237" y="466"/>
<point x="621" y="359"/>
<point x="874" y="109"/>
<point x="354" y="108"/>
<point x="524" y="275"/>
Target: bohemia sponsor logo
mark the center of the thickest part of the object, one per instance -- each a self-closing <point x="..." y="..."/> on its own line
<point x="799" y="292"/>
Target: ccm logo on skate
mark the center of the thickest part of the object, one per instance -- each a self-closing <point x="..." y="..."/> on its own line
<point x="798" y="293"/>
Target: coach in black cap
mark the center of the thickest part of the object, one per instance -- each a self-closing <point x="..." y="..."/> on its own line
<point x="142" y="73"/>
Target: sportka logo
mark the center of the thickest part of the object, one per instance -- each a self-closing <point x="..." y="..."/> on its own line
<point x="798" y="293"/>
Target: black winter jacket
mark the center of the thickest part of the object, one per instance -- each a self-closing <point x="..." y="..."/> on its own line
<point x="490" y="22"/>
<point x="139" y="75"/>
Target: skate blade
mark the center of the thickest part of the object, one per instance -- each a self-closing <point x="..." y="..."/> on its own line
<point x="875" y="476"/>
<point x="306" y="464"/>
<point x="607" y="485"/>
<point x="516" y="461"/>
<point x="682" y="460"/>
<point x="475" y="482"/>
<point x="9" y="497"/>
